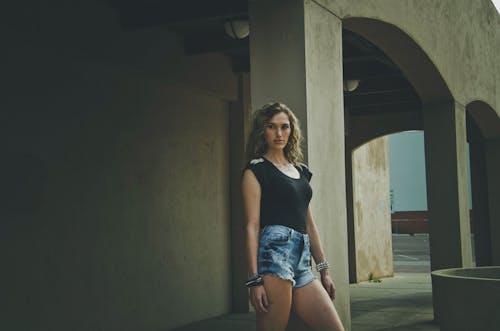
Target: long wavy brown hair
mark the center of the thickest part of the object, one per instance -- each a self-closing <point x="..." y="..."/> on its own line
<point x="257" y="146"/>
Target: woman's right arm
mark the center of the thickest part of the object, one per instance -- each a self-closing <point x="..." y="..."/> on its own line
<point x="251" y="199"/>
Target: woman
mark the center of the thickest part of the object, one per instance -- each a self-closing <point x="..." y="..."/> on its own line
<point x="280" y="231"/>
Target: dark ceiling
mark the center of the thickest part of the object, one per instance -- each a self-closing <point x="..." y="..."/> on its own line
<point x="382" y="89"/>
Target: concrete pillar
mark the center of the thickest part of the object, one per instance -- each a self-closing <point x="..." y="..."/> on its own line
<point x="296" y="58"/>
<point x="351" y="230"/>
<point x="371" y="210"/>
<point x="239" y="121"/>
<point x="492" y="156"/>
<point x="447" y="185"/>
<point x="480" y="209"/>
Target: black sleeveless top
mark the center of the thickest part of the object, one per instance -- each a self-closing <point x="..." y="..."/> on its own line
<point x="284" y="200"/>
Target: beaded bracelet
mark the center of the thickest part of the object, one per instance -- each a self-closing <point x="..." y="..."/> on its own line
<point x="322" y="266"/>
<point x="255" y="280"/>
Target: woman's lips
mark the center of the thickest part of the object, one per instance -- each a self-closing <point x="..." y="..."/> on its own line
<point x="279" y="141"/>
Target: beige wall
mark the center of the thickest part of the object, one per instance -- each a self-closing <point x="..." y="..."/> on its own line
<point x="116" y="164"/>
<point x="372" y="215"/>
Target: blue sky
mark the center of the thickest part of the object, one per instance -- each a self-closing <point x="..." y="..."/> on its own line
<point x="497" y="4"/>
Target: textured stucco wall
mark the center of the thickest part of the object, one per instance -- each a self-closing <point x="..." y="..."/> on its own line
<point x="372" y="215"/>
<point x="115" y="155"/>
<point x="492" y="166"/>
<point x="461" y="37"/>
<point x="309" y="80"/>
<point x="325" y="141"/>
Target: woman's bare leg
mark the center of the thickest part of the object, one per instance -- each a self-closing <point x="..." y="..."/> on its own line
<point x="313" y="305"/>
<point x="295" y="323"/>
<point x="279" y="297"/>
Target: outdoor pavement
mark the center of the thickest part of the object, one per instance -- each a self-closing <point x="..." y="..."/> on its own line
<point x="402" y="302"/>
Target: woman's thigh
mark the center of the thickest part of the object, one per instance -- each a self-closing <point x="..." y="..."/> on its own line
<point x="313" y="305"/>
<point x="279" y="297"/>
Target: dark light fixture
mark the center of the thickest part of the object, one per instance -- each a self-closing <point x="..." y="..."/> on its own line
<point x="237" y="29"/>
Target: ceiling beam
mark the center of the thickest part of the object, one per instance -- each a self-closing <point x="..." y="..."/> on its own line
<point x="357" y="42"/>
<point x="141" y="14"/>
<point x="373" y="57"/>
<point x="382" y="95"/>
<point x="383" y="82"/>
<point x="207" y="43"/>
<point x="386" y="108"/>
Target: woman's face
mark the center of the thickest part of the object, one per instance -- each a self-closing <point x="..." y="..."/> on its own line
<point x="277" y="131"/>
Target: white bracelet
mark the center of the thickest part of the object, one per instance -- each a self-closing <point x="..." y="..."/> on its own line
<point x="322" y="266"/>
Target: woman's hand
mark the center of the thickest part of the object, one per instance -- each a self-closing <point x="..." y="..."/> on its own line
<point x="328" y="284"/>
<point x="258" y="298"/>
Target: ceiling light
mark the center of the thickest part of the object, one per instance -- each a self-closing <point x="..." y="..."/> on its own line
<point x="351" y="85"/>
<point x="237" y="29"/>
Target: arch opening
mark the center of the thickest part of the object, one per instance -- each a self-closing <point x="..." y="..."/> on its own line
<point x="406" y="54"/>
<point x="396" y="79"/>
<point x="394" y="95"/>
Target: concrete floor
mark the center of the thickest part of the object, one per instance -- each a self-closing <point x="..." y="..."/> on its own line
<point x="411" y="253"/>
<point x="403" y="302"/>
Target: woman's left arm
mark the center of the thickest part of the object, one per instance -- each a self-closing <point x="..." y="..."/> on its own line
<point x="317" y="253"/>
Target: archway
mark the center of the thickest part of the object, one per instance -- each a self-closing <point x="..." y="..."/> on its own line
<point x="418" y="99"/>
<point x="483" y="135"/>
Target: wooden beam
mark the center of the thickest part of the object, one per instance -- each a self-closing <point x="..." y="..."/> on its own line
<point x="371" y="57"/>
<point x="141" y="14"/>
<point x="385" y="108"/>
<point x="213" y="42"/>
<point x="382" y="97"/>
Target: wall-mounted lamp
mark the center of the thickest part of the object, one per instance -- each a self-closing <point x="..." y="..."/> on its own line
<point x="351" y="85"/>
<point x="237" y="29"/>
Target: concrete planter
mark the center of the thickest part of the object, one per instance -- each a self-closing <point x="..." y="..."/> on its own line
<point x="467" y="298"/>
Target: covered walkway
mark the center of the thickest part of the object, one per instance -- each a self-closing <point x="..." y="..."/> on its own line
<point x="403" y="302"/>
<point x="400" y="303"/>
<point x="124" y="126"/>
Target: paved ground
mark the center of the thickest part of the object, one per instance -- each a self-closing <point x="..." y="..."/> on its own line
<point x="411" y="253"/>
<point x="403" y="302"/>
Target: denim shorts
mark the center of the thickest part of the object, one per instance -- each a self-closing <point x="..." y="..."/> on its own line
<point x="285" y="253"/>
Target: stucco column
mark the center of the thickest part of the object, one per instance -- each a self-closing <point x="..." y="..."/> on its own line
<point x="447" y="185"/>
<point x="492" y="156"/>
<point x="480" y="208"/>
<point x="296" y="58"/>
<point x="239" y="118"/>
<point x="351" y="229"/>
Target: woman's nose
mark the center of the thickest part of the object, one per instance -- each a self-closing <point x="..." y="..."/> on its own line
<point x="278" y="132"/>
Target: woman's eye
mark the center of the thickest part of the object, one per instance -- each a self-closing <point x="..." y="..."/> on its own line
<point x="284" y="127"/>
